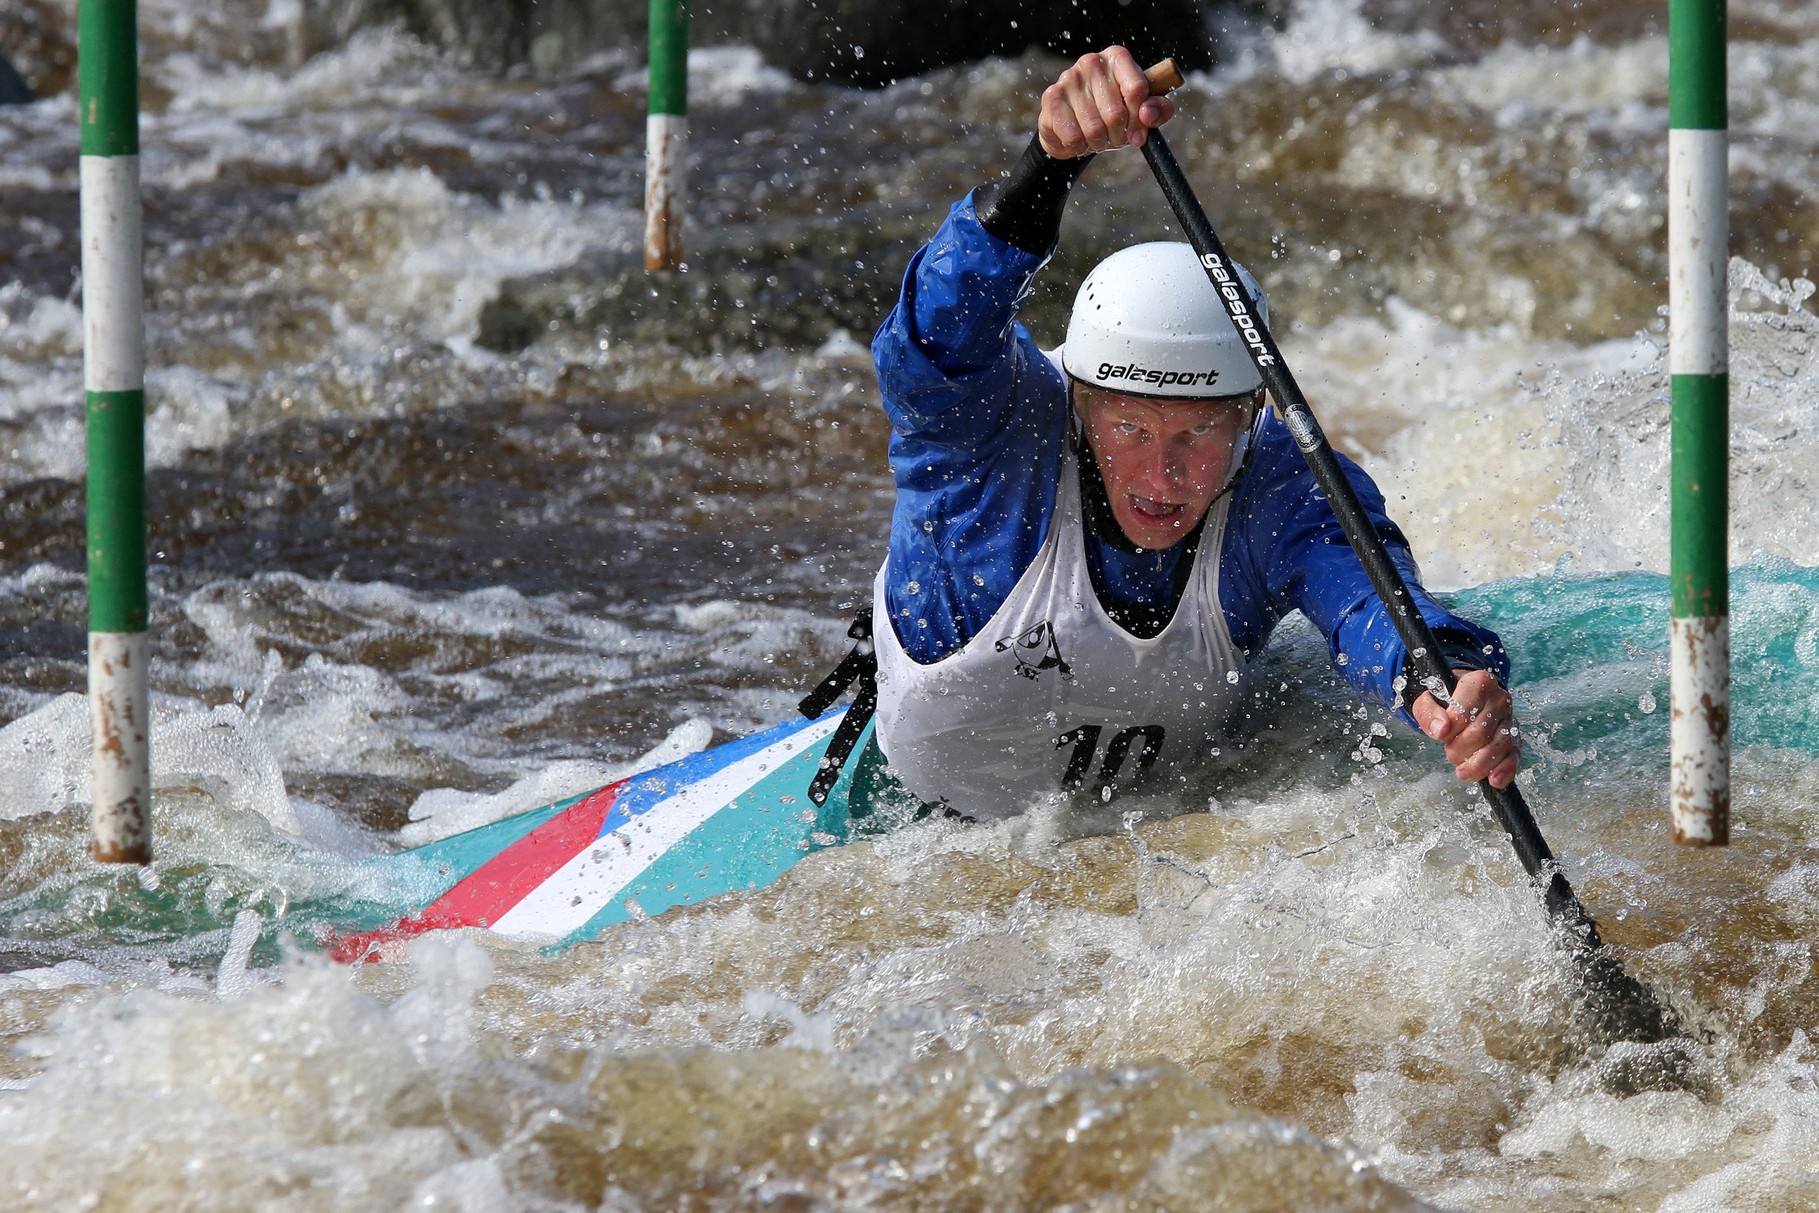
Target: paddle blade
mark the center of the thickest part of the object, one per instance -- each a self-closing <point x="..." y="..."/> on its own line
<point x="1614" y="1006"/>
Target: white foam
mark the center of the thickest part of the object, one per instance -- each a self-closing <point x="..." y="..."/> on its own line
<point x="232" y="979"/>
<point x="717" y="75"/>
<point x="1501" y="454"/>
<point x="1450" y="425"/>
<point x="1331" y="35"/>
<point x="475" y="1186"/>
<point x="44" y="759"/>
<point x="187" y="410"/>
<point x="41" y="388"/>
<point x="1616" y="437"/>
<point x="446" y="811"/>
<point x="343" y="715"/>
<point x="1756" y="1148"/>
<point x="40" y="385"/>
<point x="331" y="716"/>
<point x="301" y="1080"/>
<point x="62" y="976"/>
<point x="36" y="327"/>
<point x="382" y="61"/>
<point x="430" y="259"/>
<point x="1652" y="1127"/>
<point x="1520" y="81"/>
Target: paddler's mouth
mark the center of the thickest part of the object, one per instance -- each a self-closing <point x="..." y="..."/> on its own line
<point x="1158" y="512"/>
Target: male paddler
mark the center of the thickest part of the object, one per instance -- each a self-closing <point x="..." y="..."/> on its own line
<point x="1090" y="546"/>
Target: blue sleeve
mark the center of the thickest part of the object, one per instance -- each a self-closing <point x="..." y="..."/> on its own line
<point x="978" y="420"/>
<point x="1285" y="551"/>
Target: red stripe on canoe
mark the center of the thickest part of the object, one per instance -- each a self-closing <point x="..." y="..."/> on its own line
<point x="496" y="885"/>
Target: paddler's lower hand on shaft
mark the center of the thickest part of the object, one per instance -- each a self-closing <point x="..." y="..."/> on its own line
<point x="1478" y="728"/>
<point x="1100" y="103"/>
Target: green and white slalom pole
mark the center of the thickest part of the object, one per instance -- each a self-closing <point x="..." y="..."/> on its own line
<point x="1699" y="367"/>
<point x="114" y="375"/>
<point x="665" y="132"/>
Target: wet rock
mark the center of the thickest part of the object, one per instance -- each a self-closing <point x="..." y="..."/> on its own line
<point x="788" y="283"/>
<point x="37" y="50"/>
<point x="489" y="33"/>
<point x="869" y="43"/>
<point x="13" y="88"/>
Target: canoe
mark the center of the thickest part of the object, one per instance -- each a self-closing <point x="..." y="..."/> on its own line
<point x="734" y="816"/>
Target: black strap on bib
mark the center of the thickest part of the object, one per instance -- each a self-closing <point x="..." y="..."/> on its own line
<point x="859" y="666"/>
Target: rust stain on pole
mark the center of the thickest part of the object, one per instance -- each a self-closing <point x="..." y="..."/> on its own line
<point x="663" y="163"/>
<point x="1701" y="725"/>
<point x="120" y="824"/>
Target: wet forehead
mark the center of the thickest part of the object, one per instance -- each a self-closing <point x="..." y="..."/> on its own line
<point x="1094" y="401"/>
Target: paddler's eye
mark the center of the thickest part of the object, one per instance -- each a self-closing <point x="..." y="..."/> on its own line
<point x="1127" y="427"/>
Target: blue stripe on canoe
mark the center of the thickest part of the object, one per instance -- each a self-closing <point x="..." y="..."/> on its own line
<point x="748" y="844"/>
<point x="422" y="874"/>
<point x="645" y="791"/>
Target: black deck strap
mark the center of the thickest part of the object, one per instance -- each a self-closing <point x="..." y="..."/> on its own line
<point x="859" y="666"/>
<point x="860" y="663"/>
<point x="846" y="736"/>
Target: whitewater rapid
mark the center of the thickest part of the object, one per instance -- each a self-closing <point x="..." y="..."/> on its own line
<point x="422" y="559"/>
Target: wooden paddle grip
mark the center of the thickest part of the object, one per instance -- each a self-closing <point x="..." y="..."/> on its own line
<point x="1165" y="77"/>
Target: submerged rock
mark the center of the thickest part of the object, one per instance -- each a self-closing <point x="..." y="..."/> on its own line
<point x="868" y="43"/>
<point x="872" y="43"/>
<point x="13" y="88"/>
<point x="787" y="283"/>
<point x="37" y="50"/>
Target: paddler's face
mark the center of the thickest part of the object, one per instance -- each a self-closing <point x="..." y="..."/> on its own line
<point x="1163" y="461"/>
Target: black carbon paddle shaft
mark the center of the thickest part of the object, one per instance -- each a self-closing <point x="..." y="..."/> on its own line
<point x="1507" y="804"/>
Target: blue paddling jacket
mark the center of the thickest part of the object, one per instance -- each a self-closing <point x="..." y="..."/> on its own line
<point x="979" y="418"/>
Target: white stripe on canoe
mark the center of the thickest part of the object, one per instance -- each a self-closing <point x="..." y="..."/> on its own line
<point x="577" y="890"/>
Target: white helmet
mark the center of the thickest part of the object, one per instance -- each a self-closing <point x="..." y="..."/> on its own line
<point x="1148" y="322"/>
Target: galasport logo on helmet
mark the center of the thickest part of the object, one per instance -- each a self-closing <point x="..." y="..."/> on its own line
<point x="1236" y="305"/>
<point x="1150" y="375"/>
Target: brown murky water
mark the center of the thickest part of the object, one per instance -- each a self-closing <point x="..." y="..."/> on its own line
<point x="452" y="502"/>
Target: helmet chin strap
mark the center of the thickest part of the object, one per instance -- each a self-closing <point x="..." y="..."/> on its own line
<point x="1241" y="449"/>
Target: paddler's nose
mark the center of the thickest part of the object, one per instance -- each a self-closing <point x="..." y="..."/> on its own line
<point x="1164" y="463"/>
